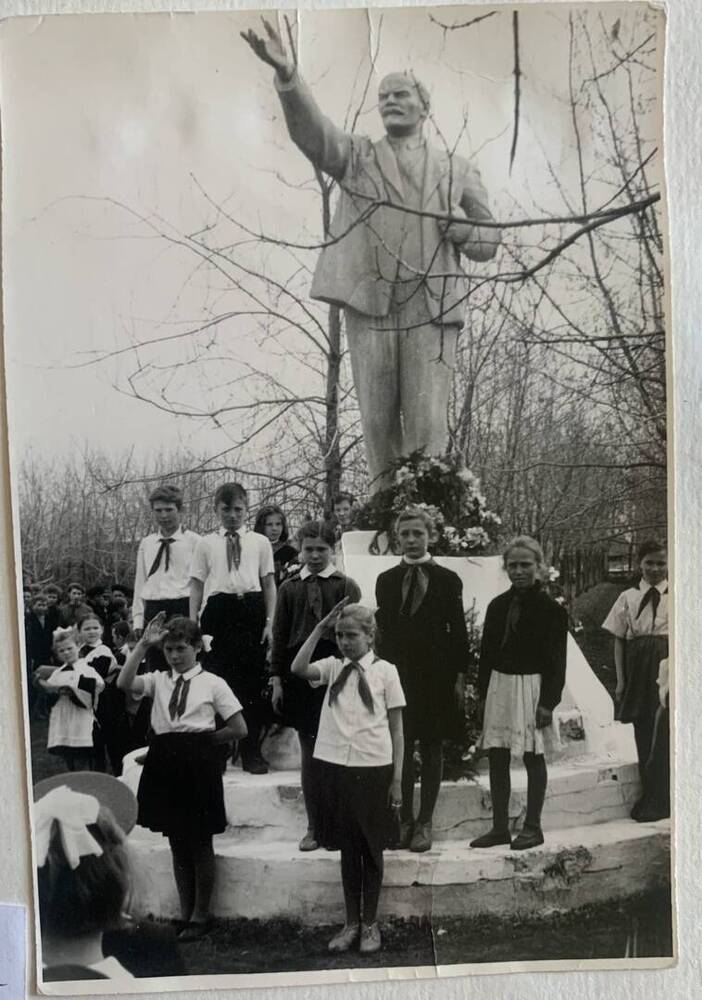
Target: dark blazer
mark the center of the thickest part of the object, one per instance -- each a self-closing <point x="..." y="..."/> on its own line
<point x="294" y="619"/>
<point x="39" y="638"/>
<point x="537" y="645"/>
<point x="435" y="637"/>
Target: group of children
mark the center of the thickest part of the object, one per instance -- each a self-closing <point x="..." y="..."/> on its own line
<point x="360" y="688"/>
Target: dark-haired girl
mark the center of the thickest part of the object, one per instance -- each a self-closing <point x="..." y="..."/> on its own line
<point x="180" y="791"/>
<point x="639" y="623"/>
<point x="272" y="522"/>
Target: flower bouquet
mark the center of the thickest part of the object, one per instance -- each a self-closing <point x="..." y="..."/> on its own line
<point x="448" y="492"/>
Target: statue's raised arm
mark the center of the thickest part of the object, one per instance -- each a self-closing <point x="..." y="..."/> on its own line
<point x="326" y="146"/>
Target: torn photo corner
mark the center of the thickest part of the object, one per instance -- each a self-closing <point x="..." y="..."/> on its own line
<point x="336" y="358"/>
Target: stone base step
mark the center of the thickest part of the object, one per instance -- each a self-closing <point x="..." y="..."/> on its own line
<point x="575" y="867"/>
<point x="270" y="807"/>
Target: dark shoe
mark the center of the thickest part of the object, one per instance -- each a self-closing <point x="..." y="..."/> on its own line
<point x="636" y="810"/>
<point x="194" y="931"/>
<point x="345" y="939"/>
<point x="421" y="838"/>
<point x="651" y="813"/>
<point x="526" y="839"/>
<point x="406" y="831"/>
<point x="370" y="939"/>
<point x="308" y="842"/>
<point x="494" y="838"/>
<point x="255" y="765"/>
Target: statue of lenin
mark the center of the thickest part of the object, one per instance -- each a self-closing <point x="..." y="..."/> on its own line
<point x="392" y="258"/>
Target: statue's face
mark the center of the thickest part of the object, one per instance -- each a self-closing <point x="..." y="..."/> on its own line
<point x="400" y="104"/>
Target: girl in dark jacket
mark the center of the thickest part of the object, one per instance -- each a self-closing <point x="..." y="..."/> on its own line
<point x="521" y="678"/>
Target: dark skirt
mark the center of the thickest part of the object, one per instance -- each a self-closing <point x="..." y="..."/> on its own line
<point x="641" y="665"/>
<point x="354" y="806"/>
<point x="302" y="704"/>
<point x="180" y="791"/>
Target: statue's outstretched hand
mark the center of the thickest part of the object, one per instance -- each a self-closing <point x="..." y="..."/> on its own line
<point x="270" y="50"/>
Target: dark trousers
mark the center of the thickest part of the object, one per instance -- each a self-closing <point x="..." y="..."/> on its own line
<point x="235" y="623"/>
<point x="177" y="607"/>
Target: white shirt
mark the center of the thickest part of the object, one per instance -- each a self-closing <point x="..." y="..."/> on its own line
<point x="348" y="733"/>
<point x="208" y="695"/>
<point x="69" y="725"/>
<point x="209" y="564"/>
<point x="162" y="586"/>
<point x="622" y="621"/>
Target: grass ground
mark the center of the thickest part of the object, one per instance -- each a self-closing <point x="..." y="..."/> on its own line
<point x="596" y="933"/>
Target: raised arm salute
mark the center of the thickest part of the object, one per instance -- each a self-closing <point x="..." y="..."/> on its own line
<point x="391" y="256"/>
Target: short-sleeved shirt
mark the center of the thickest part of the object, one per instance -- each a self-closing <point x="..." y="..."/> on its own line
<point x="622" y="620"/>
<point x="208" y="695"/>
<point x="209" y="564"/>
<point x="348" y="733"/>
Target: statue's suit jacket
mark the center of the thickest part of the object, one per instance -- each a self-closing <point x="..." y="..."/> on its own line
<point x="357" y="266"/>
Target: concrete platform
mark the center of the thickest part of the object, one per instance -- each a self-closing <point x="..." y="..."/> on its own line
<point x="575" y="867"/>
<point x="270" y="807"/>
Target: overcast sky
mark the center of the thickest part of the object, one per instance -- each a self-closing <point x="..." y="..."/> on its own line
<point x="147" y="110"/>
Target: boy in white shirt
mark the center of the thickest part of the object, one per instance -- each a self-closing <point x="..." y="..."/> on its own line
<point x="232" y="592"/>
<point x="162" y="581"/>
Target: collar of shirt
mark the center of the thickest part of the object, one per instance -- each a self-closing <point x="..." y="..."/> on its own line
<point x="188" y="675"/>
<point x="427" y="557"/>
<point x="367" y="660"/>
<point x="179" y="531"/>
<point x="660" y="587"/>
<point x="330" y="570"/>
<point x="222" y="531"/>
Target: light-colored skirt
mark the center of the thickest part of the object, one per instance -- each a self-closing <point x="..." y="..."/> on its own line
<point x="510" y="715"/>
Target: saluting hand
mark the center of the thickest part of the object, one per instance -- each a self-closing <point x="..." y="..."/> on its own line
<point x="154" y="631"/>
<point x="270" y="50"/>
<point x="330" y="620"/>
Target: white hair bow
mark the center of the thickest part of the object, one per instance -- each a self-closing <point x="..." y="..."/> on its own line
<point x="74" y="812"/>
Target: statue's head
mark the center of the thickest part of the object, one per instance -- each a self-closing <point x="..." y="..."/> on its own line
<point x="403" y="103"/>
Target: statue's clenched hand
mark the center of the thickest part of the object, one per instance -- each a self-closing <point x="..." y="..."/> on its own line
<point x="271" y="50"/>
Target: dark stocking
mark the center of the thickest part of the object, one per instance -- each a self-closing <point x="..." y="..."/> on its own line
<point x="310" y="786"/>
<point x="184" y="874"/>
<point x="408" y="783"/>
<point x="432" y="769"/>
<point x="352" y="878"/>
<point x="372" y="881"/>
<point x="500" y="787"/>
<point x="204" y="864"/>
<point x="535" y="764"/>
